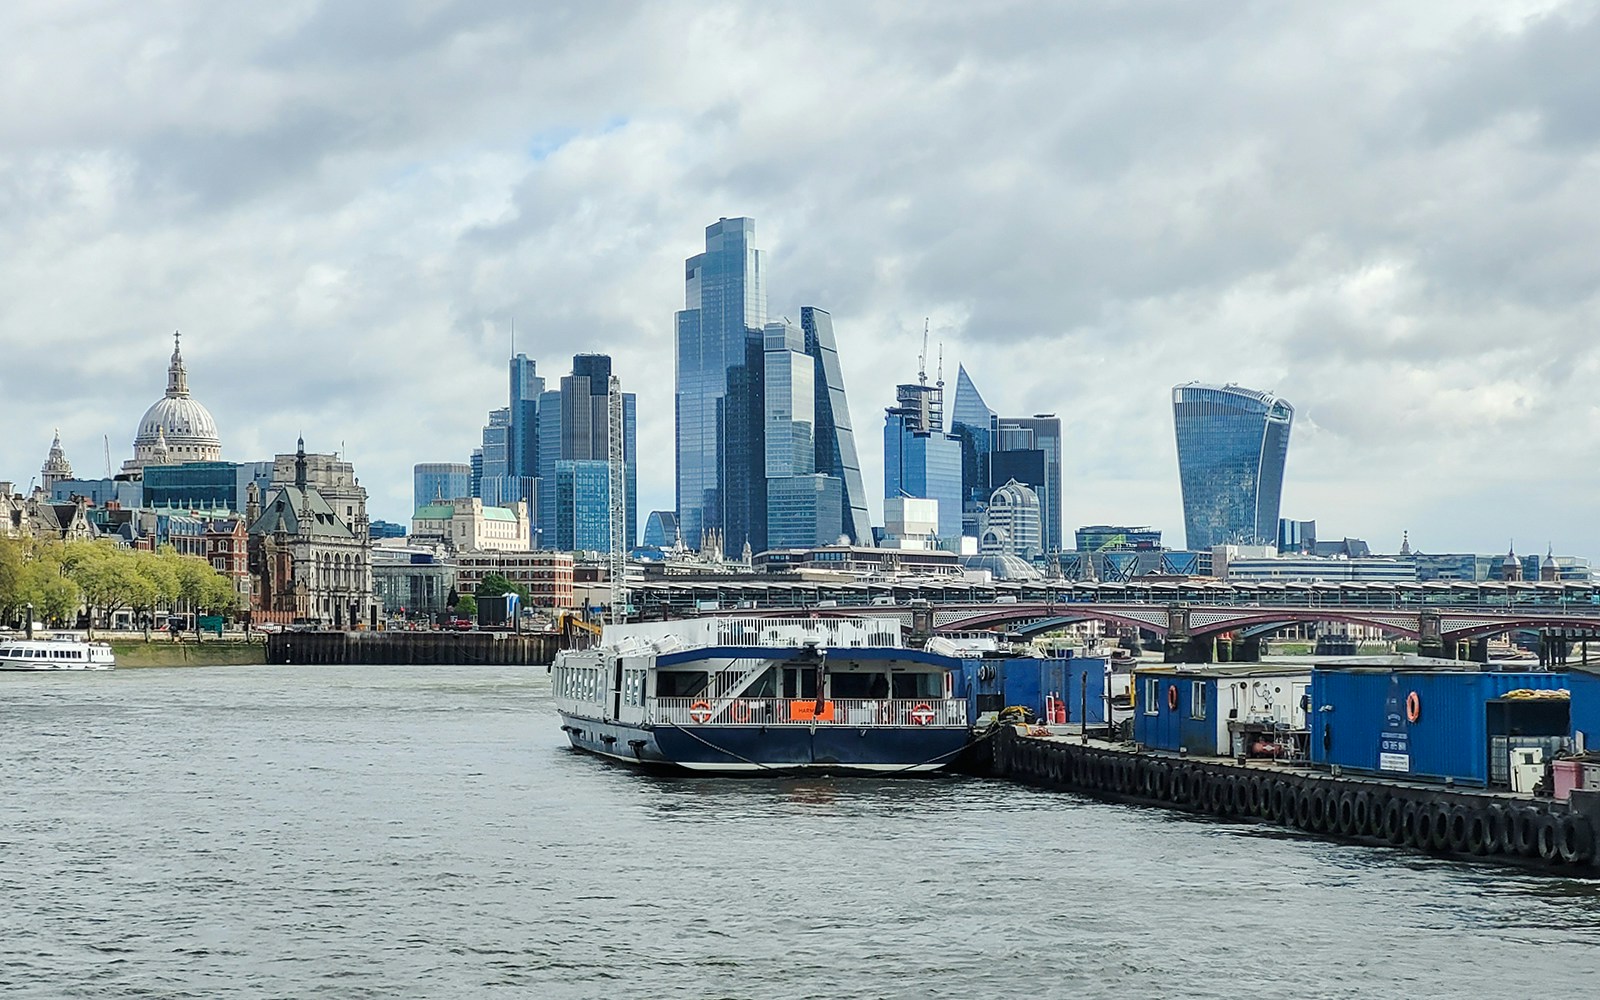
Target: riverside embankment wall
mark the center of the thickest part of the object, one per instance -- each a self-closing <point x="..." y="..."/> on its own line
<point x="411" y="647"/>
<point x="219" y="652"/>
<point x="1427" y="818"/>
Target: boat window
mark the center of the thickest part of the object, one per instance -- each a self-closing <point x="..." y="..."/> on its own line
<point x="799" y="682"/>
<point x="1197" y="699"/>
<point x="859" y="685"/>
<point x="1152" y="696"/>
<point x="920" y="685"/>
<point x="765" y="686"/>
<point x="680" y="683"/>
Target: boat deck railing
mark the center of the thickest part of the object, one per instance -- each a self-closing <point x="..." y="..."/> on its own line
<point x="906" y="712"/>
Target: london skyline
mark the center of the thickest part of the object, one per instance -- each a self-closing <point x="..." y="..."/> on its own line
<point x="1407" y="266"/>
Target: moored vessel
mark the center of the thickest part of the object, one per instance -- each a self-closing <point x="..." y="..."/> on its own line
<point x="760" y="694"/>
<point x="59" y="652"/>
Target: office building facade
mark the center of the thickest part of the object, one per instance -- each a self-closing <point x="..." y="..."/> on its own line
<point x="1232" y="446"/>
<point x="436" y="482"/>
<point x="834" y="431"/>
<point x="920" y="459"/>
<point x="721" y="481"/>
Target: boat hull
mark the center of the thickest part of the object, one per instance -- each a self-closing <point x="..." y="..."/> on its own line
<point x="724" y="749"/>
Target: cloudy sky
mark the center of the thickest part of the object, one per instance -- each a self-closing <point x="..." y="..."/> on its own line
<point x="1387" y="213"/>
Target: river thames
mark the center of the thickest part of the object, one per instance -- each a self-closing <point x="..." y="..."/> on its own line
<point x="350" y="832"/>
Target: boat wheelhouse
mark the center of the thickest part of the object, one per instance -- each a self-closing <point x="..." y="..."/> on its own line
<point x="61" y="652"/>
<point x="762" y="694"/>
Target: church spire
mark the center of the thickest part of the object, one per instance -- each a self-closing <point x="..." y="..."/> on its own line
<point x="300" y="463"/>
<point x="177" y="375"/>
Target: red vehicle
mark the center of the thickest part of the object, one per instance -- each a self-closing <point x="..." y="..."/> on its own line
<point x="459" y="624"/>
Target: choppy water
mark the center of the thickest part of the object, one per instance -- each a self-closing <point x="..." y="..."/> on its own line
<point x="422" y="832"/>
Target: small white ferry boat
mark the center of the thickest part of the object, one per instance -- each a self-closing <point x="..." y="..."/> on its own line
<point x="60" y="652"/>
<point x="749" y="695"/>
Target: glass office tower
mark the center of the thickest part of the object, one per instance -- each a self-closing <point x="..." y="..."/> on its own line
<point x="972" y="421"/>
<point x="1232" y="445"/>
<point x="920" y="459"/>
<point x="721" y="482"/>
<point x="1022" y="437"/>
<point x="835" y="437"/>
<point x="435" y="481"/>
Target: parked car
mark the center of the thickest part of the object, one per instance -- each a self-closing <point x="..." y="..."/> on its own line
<point x="460" y="625"/>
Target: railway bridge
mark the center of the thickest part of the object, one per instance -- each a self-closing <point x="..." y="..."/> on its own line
<point x="1190" y="632"/>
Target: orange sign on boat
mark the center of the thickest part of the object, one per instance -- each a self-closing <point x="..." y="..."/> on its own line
<point x="807" y="710"/>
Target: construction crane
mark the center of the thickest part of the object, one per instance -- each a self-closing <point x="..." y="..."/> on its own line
<point x="616" y="459"/>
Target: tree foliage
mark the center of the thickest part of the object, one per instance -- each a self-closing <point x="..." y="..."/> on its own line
<point x="495" y="584"/>
<point x="60" y="579"/>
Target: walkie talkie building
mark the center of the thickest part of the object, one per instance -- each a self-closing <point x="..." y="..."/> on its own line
<point x="1232" y="444"/>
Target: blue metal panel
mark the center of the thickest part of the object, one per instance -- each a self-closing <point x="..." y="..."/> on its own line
<point x="1586" y="707"/>
<point x="1448" y="740"/>
<point x="1027" y="680"/>
<point x="1161" y="727"/>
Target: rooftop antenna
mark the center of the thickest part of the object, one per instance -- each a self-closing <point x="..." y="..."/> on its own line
<point x="939" y="376"/>
<point x="513" y="336"/>
<point x="922" y="359"/>
<point x="108" y="456"/>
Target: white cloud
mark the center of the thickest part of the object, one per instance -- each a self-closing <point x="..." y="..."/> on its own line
<point x="1384" y="214"/>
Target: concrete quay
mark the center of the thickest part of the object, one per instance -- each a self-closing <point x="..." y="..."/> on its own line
<point x="412" y="647"/>
<point x="1440" y="820"/>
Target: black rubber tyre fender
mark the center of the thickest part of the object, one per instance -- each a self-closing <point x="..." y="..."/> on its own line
<point x="1440" y="814"/>
<point x="1180" y="785"/>
<point x="1319" y="808"/>
<point x="1574" y="839"/>
<point x="1163" y="782"/>
<point x="1413" y="824"/>
<point x="1345" y="813"/>
<point x="1478" y="832"/>
<point x="1525" y="832"/>
<point x="1275" y="808"/>
<point x="1457" y="827"/>
<point x="1496" y="831"/>
<point x="1394" y="821"/>
<point x="1302" y="808"/>
<point x="1363" y="814"/>
<point x="1548" y="838"/>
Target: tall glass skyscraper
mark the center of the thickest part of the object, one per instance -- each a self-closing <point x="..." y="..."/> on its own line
<point x="835" y="437"/>
<point x="1232" y="445"/>
<point x="573" y="440"/>
<point x="721" y="481"/>
<point x="972" y="421"/>
<point x="920" y="459"/>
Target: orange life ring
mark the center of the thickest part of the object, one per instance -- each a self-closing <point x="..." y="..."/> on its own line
<point x="740" y="712"/>
<point x="700" y="712"/>
<point x="922" y="713"/>
<point x="1172" y="697"/>
<point x="1413" y="707"/>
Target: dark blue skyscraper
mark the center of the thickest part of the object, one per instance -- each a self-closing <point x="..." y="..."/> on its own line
<point x="1232" y="444"/>
<point x="721" y="481"/>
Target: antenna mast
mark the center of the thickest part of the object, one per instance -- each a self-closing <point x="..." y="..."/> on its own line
<point x="108" y="456"/>
<point x="922" y="359"/>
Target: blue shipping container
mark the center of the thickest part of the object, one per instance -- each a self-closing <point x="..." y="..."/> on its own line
<point x="1585" y="687"/>
<point x="997" y="683"/>
<point x="1358" y="720"/>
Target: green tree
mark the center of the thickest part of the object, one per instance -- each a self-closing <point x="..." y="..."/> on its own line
<point x="495" y="584"/>
<point x="468" y="606"/>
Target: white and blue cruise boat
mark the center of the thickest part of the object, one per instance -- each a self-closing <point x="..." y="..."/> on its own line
<point x="59" y="652"/>
<point x="758" y="694"/>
